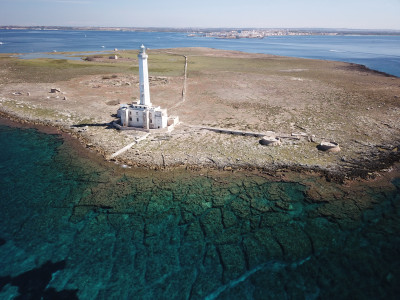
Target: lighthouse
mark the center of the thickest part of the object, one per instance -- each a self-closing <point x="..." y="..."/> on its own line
<point x="143" y="116"/>
<point x="144" y="77"/>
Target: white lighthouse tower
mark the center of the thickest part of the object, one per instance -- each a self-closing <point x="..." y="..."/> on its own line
<point x="143" y="115"/>
<point x="144" y="77"/>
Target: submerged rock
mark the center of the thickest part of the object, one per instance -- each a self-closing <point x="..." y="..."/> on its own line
<point x="114" y="233"/>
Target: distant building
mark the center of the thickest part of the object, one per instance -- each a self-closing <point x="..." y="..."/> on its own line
<point x="144" y="115"/>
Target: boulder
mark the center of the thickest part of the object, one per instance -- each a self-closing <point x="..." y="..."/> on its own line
<point x="329" y="146"/>
<point x="270" y="141"/>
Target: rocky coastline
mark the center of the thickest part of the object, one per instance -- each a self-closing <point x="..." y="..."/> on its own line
<point x="303" y="102"/>
<point x="190" y="234"/>
<point x="198" y="213"/>
<point x="369" y="167"/>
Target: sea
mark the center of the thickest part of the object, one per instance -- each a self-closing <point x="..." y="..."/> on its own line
<point x="73" y="226"/>
<point x="377" y="52"/>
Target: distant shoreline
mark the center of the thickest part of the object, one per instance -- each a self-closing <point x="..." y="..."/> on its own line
<point x="196" y="30"/>
<point x="377" y="52"/>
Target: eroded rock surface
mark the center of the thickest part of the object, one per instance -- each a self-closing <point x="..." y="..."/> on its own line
<point x="131" y="233"/>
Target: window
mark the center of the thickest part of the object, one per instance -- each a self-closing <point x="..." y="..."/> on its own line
<point x="137" y="119"/>
<point x="130" y="118"/>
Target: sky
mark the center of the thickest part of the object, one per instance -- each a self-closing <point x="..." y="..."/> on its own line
<point x="354" y="14"/>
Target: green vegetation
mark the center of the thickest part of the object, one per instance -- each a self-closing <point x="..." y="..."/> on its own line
<point x="245" y="65"/>
<point x="53" y="70"/>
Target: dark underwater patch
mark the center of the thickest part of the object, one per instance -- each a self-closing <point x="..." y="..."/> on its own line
<point x="33" y="284"/>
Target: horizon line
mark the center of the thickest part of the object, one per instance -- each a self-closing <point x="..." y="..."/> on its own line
<point x="204" y="27"/>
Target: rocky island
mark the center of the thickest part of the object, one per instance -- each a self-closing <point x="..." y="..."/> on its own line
<point x="75" y="226"/>
<point x="226" y="102"/>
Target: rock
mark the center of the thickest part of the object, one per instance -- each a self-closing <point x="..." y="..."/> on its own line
<point x="261" y="204"/>
<point x="270" y="141"/>
<point x="228" y="218"/>
<point x="269" y="246"/>
<point x="233" y="261"/>
<point x="303" y="134"/>
<point x="270" y="134"/>
<point x="55" y="90"/>
<point x="240" y="206"/>
<point x="255" y="254"/>
<point x="293" y="240"/>
<point x="328" y="146"/>
<point x="209" y="275"/>
<point x="212" y="222"/>
<point x="284" y="205"/>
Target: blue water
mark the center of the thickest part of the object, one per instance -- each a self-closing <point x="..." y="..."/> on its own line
<point x="380" y="53"/>
<point x="72" y="228"/>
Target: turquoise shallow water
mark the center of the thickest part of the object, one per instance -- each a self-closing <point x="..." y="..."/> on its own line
<point x="72" y="228"/>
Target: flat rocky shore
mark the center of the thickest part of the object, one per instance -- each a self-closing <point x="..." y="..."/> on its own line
<point x="303" y="102"/>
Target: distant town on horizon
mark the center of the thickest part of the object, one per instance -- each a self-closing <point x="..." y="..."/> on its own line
<point x="234" y="32"/>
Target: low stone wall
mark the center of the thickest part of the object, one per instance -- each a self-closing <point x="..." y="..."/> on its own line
<point x="235" y="132"/>
<point x="161" y="130"/>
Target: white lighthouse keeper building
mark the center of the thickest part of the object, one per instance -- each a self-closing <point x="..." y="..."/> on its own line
<point x="143" y="115"/>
